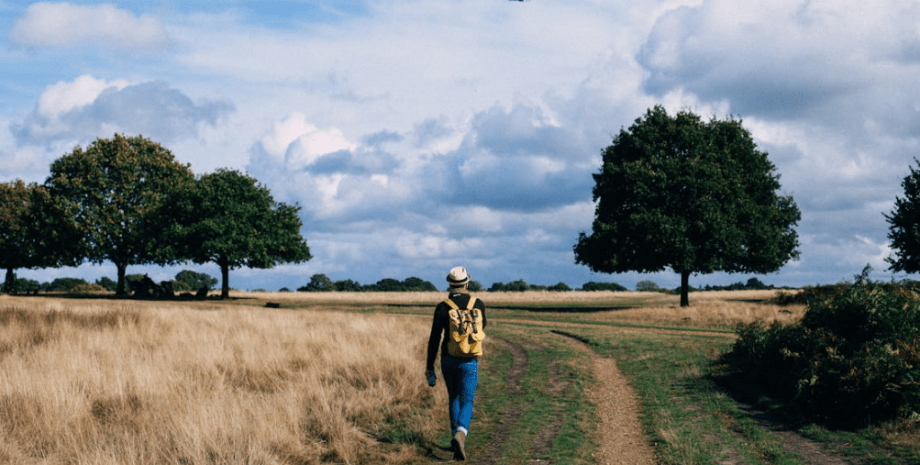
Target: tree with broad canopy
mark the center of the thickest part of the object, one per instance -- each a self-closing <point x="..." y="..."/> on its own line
<point x="227" y="218"/>
<point x="34" y="230"/>
<point x="116" y="190"/>
<point x="693" y="196"/>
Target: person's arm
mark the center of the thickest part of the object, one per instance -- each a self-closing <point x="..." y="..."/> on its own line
<point x="482" y="307"/>
<point x="434" y="340"/>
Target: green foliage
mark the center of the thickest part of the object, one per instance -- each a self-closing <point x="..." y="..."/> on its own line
<point x="853" y="360"/>
<point x="33" y="230"/>
<point x="348" y="285"/>
<point x="66" y="284"/>
<point x="28" y="286"/>
<point x="413" y="284"/>
<point x="321" y="283"/>
<point x="692" y="196"/>
<point x="513" y="286"/>
<point x="752" y="284"/>
<point x="227" y="218"/>
<point x="115" y="191"/>
<point x="648" y="286"/>
<point x="475" y="286"/>
<point x="904" y="226"/>
<point x="597" y="286"/>
<point x="559" y="287"/>
<point x="107" y="283"/>
<point x="188" y="280"/>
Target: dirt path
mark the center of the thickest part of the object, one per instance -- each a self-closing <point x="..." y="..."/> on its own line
<point x="620" y="437"/>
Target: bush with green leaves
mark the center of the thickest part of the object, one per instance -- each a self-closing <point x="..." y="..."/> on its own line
<point x="853" y="360"/>
<point x="188" y="280"/>
<point x="596" y="286"/>
<point x="648" y="286"/>
<point x="65" y="284"/>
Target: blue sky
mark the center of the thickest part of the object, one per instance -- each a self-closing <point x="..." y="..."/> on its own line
<point x="422" y="134"/>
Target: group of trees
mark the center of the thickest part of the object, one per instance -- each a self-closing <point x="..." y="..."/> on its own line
<point x="185" y="281"/>
<point x="128" y="201"/>
<point x="322" y="283"/>
<point x="673" y="192"/>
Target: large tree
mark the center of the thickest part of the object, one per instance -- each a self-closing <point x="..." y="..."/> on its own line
<point x="904" y="226"/>
<point x="227" y="218"/>
<point x="117" y="189"/>
<point x="34" y="230"/>
<point x="690" y="195"/>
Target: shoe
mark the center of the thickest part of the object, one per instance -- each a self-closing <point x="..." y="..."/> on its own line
<point x="457" y="445"/>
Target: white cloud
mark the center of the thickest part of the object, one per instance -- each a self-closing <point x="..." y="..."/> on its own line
<point x="65" y="96"/>
<point x="87" y="108"/>
<point x="68" y="25"/>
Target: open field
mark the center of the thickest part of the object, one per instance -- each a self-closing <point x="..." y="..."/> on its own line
<point x="337" y="378"/>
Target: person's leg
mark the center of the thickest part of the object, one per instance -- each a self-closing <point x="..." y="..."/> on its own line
<point x="468" y="378"/>
<point x="450" y="371"/>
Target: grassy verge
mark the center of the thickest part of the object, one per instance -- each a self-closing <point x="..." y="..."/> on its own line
<point x="540" y="413"/>
<point x="692" y="420"/>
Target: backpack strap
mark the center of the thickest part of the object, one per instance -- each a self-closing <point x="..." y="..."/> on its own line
<point x="469" y="305"/>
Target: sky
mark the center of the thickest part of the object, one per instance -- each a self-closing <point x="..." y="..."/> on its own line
<point x="418" y="135"/>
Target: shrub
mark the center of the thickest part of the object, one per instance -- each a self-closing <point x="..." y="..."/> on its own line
<point x="647" y="286"/>
<point x="514" y="286"/>
<point x="65" y="284"/>
<point x="188" y="280"/>
<point x="596" y="286"/>
<point x="853" y="360"/>
<point x="107" y="283"/>
<point x="87" y="288"/>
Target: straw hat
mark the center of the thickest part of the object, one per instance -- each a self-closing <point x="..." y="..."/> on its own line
<point x="458" y="277"/>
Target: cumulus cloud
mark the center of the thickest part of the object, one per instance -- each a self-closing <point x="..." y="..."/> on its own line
<point x="68" y="25"/>
<point x="89" y="107"/>
<point x="781" y="59"/>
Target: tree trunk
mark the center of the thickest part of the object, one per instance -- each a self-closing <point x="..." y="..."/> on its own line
<point x="120" y="287"/>
<point x="684" y="288"/>
<point x="9" y="284"/>
<point x="225" y="277"/>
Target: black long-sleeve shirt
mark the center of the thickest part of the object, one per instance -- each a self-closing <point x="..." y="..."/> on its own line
<point x="440" y="323"/>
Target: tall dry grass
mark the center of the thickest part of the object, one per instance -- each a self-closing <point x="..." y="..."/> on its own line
<point x="135" y="383"/>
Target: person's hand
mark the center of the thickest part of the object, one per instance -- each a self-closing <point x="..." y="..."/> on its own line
<point x="432" y="378"/>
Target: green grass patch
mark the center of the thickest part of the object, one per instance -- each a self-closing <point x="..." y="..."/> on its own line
<point x="688" y="418"/>
<point x="549" y="417"/>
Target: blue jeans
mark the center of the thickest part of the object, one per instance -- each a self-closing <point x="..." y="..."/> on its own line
<point x="460" y="377"/>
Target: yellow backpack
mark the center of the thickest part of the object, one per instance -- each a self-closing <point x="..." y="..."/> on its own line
<point x="466" y="332"/>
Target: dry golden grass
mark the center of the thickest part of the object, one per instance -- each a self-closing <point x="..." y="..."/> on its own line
<point x="145" y="383"/>
<point x="708" y="309"/>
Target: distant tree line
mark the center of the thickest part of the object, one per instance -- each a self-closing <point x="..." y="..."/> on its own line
<point x="185" y="281"/>
<point x="321" y="283"/>
<point x="127" y="201"/>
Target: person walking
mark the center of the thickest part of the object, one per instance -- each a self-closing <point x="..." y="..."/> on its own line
<point x="457" y="329"/>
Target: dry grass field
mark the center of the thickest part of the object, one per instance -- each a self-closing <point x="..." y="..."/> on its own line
<point x="99" y="381"/>
<point x="118" y="382"/>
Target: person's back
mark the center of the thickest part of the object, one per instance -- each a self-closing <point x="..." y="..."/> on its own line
<point x="459" y="366"/>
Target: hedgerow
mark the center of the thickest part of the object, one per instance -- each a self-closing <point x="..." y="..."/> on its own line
<point x="852" y="361"/>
